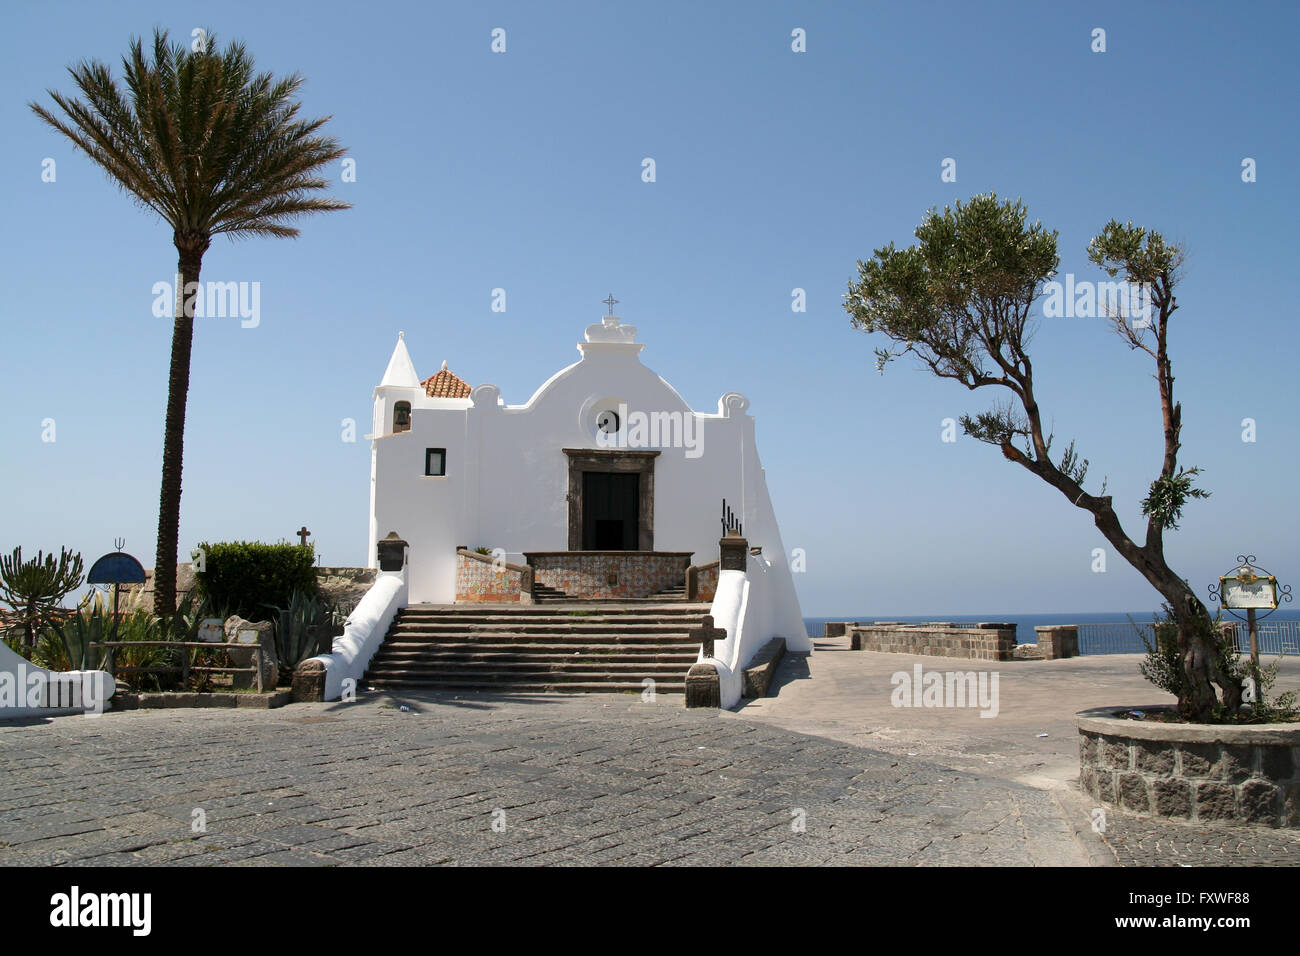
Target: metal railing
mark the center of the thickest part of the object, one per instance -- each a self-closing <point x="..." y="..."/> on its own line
<point x="1123" y="638"/>
<point x="1279" y="637"/>
<point x="1275" y="637"/>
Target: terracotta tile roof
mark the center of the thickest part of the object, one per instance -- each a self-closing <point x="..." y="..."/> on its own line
<point x="445" y="385"/>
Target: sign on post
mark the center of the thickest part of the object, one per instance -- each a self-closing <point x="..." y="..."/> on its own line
<point x="1242" y="589"/>
<point x="1248" y="591"/>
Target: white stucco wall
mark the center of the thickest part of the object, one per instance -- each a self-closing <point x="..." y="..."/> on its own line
<point x="751" y="606"/>
<point x="364" y="633"/>
<point x="508" y="478"/>
<point x="26" y="688"/>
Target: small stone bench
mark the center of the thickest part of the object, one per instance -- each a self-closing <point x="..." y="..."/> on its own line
<point x="757" y="676"/>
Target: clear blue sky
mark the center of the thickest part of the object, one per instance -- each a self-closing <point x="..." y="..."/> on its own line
<point x="775" y="170"/>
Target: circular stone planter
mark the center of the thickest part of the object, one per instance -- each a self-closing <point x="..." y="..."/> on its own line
<point x="1207" y="773"/>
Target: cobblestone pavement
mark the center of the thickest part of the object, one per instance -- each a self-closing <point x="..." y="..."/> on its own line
<point x="577" y="780"/>
<point x="845" y="695"/>
<point x="566" y="780"/>
<point x="1137" y="841"/>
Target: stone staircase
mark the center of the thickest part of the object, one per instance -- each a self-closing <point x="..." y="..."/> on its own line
<point x="542" y="594"/>
<point x="560" y="648"/>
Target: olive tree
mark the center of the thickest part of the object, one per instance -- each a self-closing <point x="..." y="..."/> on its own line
<point x="960" y="301"/>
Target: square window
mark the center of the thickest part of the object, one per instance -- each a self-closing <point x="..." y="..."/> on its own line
<point x="435" y="461"/>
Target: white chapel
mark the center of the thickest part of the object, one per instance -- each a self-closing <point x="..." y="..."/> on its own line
<point x="604" y="485"/>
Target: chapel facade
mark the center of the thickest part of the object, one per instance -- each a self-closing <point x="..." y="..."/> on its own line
<point x="604" y="485"/>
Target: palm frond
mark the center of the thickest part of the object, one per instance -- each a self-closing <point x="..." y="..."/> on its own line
<point x="200" y="138"/>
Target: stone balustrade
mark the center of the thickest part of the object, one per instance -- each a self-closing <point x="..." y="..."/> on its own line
<point x="481" y="577"/>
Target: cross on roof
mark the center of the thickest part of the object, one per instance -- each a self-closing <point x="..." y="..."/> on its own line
<point x="303" y="534"/>
<point x="611" y="302"/>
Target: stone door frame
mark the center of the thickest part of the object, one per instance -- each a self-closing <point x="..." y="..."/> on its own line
<point x="622" y="461"/>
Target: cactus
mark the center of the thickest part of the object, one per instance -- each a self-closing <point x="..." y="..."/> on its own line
<point x="36" y="588"/>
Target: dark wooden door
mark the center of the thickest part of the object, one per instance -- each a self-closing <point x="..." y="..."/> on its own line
<point x="610" y="511"/>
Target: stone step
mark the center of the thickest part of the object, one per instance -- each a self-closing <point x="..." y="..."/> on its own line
<point x="486" y="609"/>
<point x="590" y="668"/>
<point x="635" y="679"/>
<point x="515" y="626"/>
<point x="566" y="647"/>
<point x="675" y="669"/>
<point x="529" y="687"/>
<point x="681" y="652"/>
<point x="416" y="658"/>
<point x="481" y="638"/>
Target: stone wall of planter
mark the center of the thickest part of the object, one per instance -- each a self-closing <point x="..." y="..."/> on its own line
<point x="1229" y="774"/>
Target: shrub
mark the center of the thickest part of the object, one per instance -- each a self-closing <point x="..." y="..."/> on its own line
<point x="247" y="576"/>
<point x="1163" y="666"/>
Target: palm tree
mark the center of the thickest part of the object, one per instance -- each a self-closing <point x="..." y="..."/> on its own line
<point x="211" y="148"/>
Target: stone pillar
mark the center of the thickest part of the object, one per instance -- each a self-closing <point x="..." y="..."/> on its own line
<point x="703" y="689"/>
<point x="391" y="552"/>
<point x="1058" y="640"/>
<point x="309" y="682"/>
<point x="733" y="551"/>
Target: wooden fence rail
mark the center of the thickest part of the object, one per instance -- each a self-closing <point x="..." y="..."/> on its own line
<point x="185" y="669"/>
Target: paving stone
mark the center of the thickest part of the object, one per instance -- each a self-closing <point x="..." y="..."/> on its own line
<point x="589" y="780"/>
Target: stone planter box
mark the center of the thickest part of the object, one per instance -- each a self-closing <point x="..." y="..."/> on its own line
<point x="1205" y="773"/>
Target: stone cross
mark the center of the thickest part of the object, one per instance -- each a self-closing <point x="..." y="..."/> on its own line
<point x="303" y="534"/>
<point x="611" y="302"/>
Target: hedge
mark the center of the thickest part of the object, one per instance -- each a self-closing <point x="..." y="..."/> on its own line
<point x="245" y="576"/>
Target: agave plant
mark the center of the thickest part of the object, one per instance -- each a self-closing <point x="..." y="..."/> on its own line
<point x="302" y="630"/>
<point x="71" y="650"/>
<point x="66" y="645"/>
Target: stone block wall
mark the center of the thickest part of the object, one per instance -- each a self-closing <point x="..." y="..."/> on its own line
<point x="481" y="578"/>
<point x="985" y="642"/>
<point x="611" y="575"/>
<point x="1204" y="781"/>
<point x="1057" y="641"/>
<point x="345" y="587"/>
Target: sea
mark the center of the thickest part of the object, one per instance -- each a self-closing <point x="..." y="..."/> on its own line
<point x="1025" y="623"/>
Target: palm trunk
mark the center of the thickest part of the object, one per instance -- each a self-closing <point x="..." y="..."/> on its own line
<point x="188" y="267"/>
